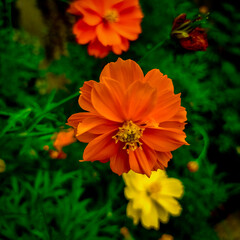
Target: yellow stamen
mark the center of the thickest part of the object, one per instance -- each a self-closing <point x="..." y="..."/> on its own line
<point x="111" y="16"/>
<point x="130" y="134"/>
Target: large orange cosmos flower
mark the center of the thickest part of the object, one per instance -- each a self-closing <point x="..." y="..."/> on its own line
<point x="107" y="25"/>
<point x="132" y="120"/>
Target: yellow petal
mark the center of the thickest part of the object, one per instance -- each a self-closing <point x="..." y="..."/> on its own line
<point x="130" y="193"/>
<point x="143" y="202"/>
<point x="169" y="204"/>
<point x="150" y="219"/>
<point x="163" y="215"/>
<point x="133" y="213"/>
<point x="137" y="181"/>
<point x="172" y="187"/>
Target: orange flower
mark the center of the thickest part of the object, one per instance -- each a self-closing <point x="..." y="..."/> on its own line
<point x="132" y="120"/>
<point x="57" y="154"/>
<point x="61" y="139"/>
<point x="107" y="25"/>
<point x="64" y="138"/>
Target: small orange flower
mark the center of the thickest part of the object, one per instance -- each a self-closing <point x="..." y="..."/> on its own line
<point x="61" y="139"/>
<point x="107" y="25"/>
<point x="64" y="138"/>
<point x="57" y="154"/>
<point x="132" y="120"/>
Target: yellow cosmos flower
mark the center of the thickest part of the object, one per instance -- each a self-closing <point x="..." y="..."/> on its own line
<point x="152" y="199"/>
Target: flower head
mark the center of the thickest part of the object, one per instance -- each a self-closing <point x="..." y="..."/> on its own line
<point x="107" y="25"/>
<point x="133" y="121"/>
<point x="152" y="199"/>
<point x="190" y="37"/>
<point x="61" y="139"/>
<point x="64" y="138"/>
<point x="2" y="166"/>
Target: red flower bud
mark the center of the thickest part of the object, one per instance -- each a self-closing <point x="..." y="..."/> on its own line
<point x="190" y="37"/>
<point x="197" y="40"/>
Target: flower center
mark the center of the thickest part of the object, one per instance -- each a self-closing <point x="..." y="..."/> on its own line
<point x="153" y="188"/>
<point x="130" y="134"/>
<point x="111" y="15"/>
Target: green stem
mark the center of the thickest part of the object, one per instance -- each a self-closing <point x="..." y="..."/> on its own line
<point x="206" y="143"/>
<point x="152" y="50"/>
<point x="39" y="118"/>
<point x="63" y="101"/>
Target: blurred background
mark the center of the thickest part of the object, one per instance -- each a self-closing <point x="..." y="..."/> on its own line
<point x="48" y="194"/>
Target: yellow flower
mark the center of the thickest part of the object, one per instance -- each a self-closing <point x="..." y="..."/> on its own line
<point x="152" y="199"/>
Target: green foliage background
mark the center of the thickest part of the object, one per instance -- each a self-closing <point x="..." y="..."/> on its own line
<point x="44" y="198"/>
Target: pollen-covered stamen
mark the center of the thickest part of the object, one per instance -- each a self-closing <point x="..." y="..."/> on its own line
<point x="130" y="134"/>
<point x="111" y="15"/>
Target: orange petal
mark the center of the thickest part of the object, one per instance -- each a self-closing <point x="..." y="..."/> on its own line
<point x="156" y="79"/>
<point x="84" y="100"/>
<point x="120" y="163"/>
<point x="95" y="6"/>
<point x="167" y="106"/>
<point x="101" y="5"/>
<point x="124" y="46"/>
<point x="130" y="13"/>
<point x="95" y="48"/>
<point x="140" y="100"/>
<point x="75" y="8"/>
<point x="175" y="125"/>
<point x="146" y="158"/>
<point x="125" y="72"/>
<point x="100" y="148"/>
<point x="96" y="125"/>
<point x="106" y="100"/>
<point x="76" y="118"/>
<point x="86" y="137"/>
<point x="133" y="162"/>
<point x="142" y="160"/>
<point x="162" y="160"/>
<point x="150" y="155"/>
<point x="122" y="5"/>
<point x="84" y="33"/>
<point x="180" y="116"/>
<point x="164" y="140"/>
<point x="106" y="35"/>
<point x="104" y="161"/>
<point x="91" y="17"/>
<point x="129" y="29"/>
